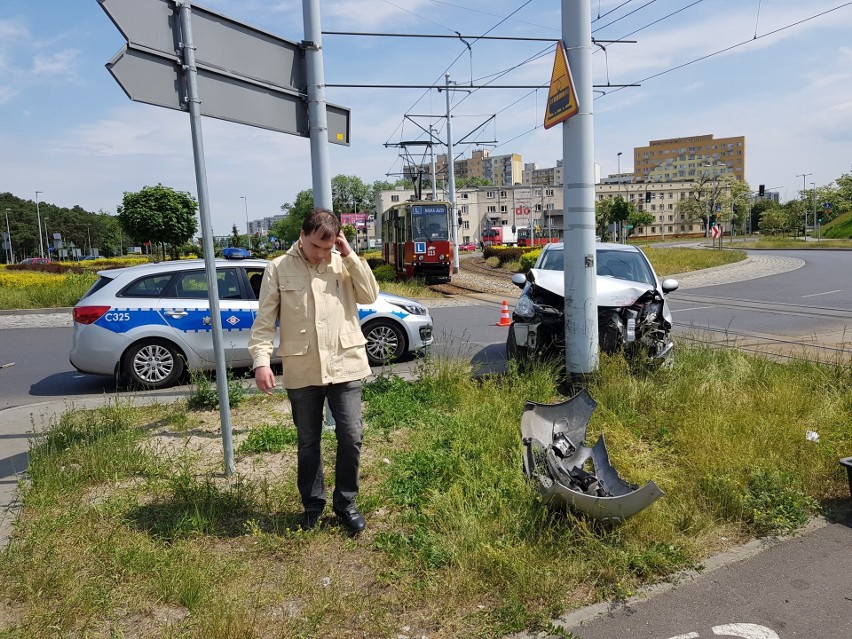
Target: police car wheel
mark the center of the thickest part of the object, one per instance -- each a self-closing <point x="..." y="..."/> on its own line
<point x="385" y="341"/>
<point x="153" y="364"/>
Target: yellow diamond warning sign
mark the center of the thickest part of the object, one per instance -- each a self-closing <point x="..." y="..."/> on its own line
<point x="561" y="99"/>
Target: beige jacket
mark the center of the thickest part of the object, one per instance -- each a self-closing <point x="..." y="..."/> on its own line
<point x="315" y="308"/>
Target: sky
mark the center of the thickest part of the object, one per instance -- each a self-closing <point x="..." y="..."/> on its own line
<point x="68" y="129"/>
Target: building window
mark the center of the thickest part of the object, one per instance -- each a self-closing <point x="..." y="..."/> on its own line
<point x="548" y="192"/>
<point x="502" y="193"/>
<point x="463" y="208"/>
<point x="394" y="198"/>
<point x="504" y="222"/>
<point x="465" y="224"/>
<point x="653" y="229"/>
<point x="491" y="209"/>
<point x="503" y="208"/>
<point x="489" y="195"/>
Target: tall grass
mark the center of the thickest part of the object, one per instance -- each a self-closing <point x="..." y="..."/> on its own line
<point x="458" y="542"/>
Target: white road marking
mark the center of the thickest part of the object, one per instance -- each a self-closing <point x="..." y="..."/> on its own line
<point x="680" y="310"/>
<point x="690" y="635"/>
<point x="840" y="290"/>
<point x="745" y="630"/>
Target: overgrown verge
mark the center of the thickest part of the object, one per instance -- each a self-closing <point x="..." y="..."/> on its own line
<point x="130" y="529"/>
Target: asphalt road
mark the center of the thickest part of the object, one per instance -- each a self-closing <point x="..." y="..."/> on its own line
<point x="42" y="371"/>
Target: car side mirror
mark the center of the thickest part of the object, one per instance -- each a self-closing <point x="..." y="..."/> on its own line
<point x="669" y="284"/>
<point x="519" y="280"/>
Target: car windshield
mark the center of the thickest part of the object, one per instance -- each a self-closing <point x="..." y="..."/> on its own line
<point x="622" y="265"/>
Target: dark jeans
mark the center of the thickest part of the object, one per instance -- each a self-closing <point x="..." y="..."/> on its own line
<point x="307" y="406"/>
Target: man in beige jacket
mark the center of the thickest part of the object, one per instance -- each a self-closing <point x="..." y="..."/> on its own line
<point x="311" y="292"/>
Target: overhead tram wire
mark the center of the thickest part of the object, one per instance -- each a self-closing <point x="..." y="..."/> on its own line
<point x="494" y="15"/>
<point x="614" y="9"/>
<point x="728" y="48"/>
<point x="629" y="13"/>
<point x="657" y="21"/>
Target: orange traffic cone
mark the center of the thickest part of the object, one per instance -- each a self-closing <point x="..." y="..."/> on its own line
<point x="505" y="318"/>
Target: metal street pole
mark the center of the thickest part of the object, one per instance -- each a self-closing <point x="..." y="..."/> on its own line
<point x="432" y="162"/>
<point x="89" y="236"/>
<point x="451" y="174"/>
<point x="188" y="52"/>
<point x="38" y="219"/>
<point x="814" y="218"/>
<point x="317" y="113"/>
<point x="248" y="228"/>
<point x="620" y="230"/>
<point x="803" y="176"/>
<point x="9" y="239"/>
<point x="578" y="148"/>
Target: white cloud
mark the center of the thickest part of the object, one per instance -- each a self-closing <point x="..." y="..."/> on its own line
<point x="62" y="63"/>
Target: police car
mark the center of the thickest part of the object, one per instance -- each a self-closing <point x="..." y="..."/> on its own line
<point x="147" y="324"/>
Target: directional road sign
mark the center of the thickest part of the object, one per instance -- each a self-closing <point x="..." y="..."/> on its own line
<point x="245" y="75"/>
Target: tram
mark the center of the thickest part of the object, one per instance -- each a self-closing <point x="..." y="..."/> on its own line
<point x="530" y="237"/>
<point x="416" y="240"/>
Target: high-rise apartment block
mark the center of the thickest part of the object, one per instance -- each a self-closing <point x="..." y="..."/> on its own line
<point x="685" y="159"/>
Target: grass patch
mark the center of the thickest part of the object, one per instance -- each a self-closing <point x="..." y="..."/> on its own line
<point x="669" y="261"/>
<point x="800" y="243"/>
<point x="119" y="536"/>
<point x="269" y="438"/>
<point x="409" y="288"/>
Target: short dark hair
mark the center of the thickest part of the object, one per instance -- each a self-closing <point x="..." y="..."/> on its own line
<point x="323" y="222"/>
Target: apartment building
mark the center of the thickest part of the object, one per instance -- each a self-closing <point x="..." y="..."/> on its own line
<point x="501" y="170"/>
<point x="685" y="158"/>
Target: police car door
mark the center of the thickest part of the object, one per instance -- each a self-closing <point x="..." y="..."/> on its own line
<point x="186" y="309"/>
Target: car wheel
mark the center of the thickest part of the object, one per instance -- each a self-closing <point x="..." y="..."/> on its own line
<point x="385" y="341"/>
<point x="153" y="364"/>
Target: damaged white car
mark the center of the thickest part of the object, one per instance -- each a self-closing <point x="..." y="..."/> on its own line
<point x="633" y="314"/>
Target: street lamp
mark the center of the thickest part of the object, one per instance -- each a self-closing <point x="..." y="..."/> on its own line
<point x="11" y="257"/>
<point x="813" y="202"/>
<point x="38" y="219"/>
<point x="248" y="229"/>
<point x="803" y="176"/>
<point x="620" y="229"/>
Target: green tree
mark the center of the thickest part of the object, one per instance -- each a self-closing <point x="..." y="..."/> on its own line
<point x="774" y="220"/>
<point x="637" y="219"/>
<point x="349" y="194"/>
<point x="616" y="210"/>
<point x="287" y="230"/>
<point x="160" y="215"/>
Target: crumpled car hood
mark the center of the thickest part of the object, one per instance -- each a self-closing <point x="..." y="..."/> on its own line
<point x="611" y="291"/>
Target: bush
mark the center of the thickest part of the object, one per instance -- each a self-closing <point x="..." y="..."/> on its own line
<point x="384" y="273"/>
<point x="374" y="262"/>
<point x="528" y="259"/>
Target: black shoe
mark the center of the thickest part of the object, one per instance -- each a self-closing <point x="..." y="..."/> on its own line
<point x="351" y="519"/>
<point x="310" y="519"/>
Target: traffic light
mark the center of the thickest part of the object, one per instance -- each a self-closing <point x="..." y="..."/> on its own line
<point x="647" y="197"/>
<point x="761" y="190"/>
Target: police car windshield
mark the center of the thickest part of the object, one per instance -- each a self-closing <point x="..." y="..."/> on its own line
<point x="622" y="265"/>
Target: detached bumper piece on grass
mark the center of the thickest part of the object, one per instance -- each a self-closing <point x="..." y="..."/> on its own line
<point x="572" y="474"/>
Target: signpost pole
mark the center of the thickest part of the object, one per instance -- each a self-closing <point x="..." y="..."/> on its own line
<point x="206" y="229"/>
<point x="317" y="115"/>
<point x="451" y="178"/>
<point x="578" y="137"/>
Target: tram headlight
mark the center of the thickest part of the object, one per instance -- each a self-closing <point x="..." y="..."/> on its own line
<point x="420" y="257"/>
<point x="441" y="256"/>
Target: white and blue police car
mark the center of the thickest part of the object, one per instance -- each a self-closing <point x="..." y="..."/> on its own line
<point x="147" y="324"/>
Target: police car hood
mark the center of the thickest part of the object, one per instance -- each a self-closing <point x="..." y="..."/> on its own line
<point x="610" y="291"/>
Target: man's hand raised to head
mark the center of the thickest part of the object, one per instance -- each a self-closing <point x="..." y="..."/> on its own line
<point x="342" y="244"/>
